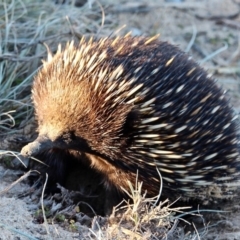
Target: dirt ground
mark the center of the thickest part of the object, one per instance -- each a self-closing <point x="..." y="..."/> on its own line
<point x="210" y="31"/>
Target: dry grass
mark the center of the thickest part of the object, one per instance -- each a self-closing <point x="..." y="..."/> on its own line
<point x="140" y="219"/>
<point x="144" y="219"/>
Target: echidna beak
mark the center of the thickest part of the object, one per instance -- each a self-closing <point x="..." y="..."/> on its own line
<point x="40" y="144"/>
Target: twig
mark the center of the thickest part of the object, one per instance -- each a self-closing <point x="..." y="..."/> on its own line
<point x="43" y="210"/>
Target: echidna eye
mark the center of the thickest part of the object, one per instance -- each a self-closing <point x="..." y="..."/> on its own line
<point x="72" y="135"/>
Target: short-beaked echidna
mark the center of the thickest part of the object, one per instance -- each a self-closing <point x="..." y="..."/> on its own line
<point x="135" y="105"/>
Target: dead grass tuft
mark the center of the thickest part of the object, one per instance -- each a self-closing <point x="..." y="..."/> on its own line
<point x="143" y="218"/>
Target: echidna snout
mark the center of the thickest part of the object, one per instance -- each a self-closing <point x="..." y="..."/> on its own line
<point x="35" y="147"/>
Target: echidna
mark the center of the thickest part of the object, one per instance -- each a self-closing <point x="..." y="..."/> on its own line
<point x="134" y="105"/>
